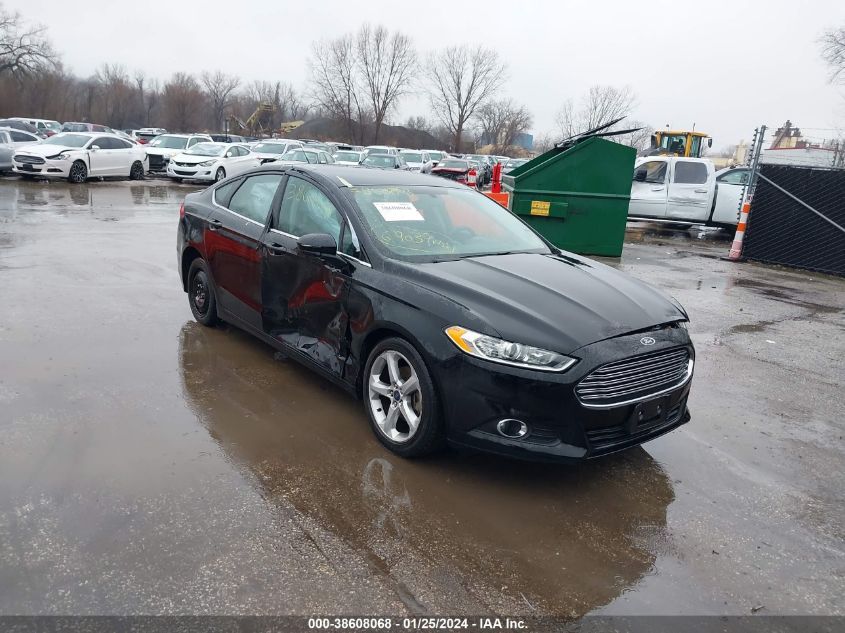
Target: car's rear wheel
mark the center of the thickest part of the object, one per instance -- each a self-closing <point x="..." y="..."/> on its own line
<point x="136" y="172"/>
<point x="78" y="172"/>
<point x="401" y="400"/>
<point x="201" y="296"/>
<point x="220" y="174"/>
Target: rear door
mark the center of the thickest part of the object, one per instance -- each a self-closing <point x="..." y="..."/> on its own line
<point x="690" y="190"/>
<point x="304" y="295"/>
<point x="232" y="238"/>
<point x="729" y="188"/>
<point x="100" y="159"/>
<point x="649" y="189"/>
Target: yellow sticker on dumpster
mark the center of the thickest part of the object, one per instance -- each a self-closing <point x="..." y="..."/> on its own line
<point x="538" y="207"/>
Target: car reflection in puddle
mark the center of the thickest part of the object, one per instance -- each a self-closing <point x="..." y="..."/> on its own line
<point x="507" y="535"/>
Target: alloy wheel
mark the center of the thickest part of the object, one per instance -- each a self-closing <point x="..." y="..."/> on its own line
<point x="78" y="172"/>
<point x="199" y="293"/>
<point x="394" y="396"/>
<point x="220" y="174"/>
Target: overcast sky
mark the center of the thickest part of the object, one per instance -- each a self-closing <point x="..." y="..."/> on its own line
<point x="725" y="66"/>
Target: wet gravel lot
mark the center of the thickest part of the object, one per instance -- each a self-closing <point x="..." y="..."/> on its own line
<point x="150" y="465"/>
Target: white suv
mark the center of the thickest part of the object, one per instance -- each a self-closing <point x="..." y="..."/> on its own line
<point x="165" y="146"/>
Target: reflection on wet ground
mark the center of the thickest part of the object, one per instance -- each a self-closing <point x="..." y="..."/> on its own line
<point x="149" y="465"/>
<point x="528" y="527"/>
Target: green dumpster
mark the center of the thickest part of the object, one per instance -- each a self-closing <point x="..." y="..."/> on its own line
<point x="577" y="198"/>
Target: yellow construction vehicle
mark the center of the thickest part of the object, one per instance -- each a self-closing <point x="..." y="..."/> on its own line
<point x="679" y="143"/>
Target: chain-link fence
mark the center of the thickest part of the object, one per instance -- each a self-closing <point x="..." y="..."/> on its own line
<point x="797" y="211"/>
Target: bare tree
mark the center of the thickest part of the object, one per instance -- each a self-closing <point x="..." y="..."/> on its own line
<point x="639" y="139"/>
<point x="182" y="99"/>
<point x="386" y="64"/>
<point x="219" y="88"/>
<point x="833" y="52"/>
<point x="334" y="83"/>
<point x="501" y="121"/>
<point x="460" y="80"/>
<point x="24" y="49"/>
<point x="601" y="105"/>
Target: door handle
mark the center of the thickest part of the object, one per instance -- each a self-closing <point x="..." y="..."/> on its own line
<point x="701" y="191"/>
<point x="658" y="188"/>
<point x="215" y="225"/>
<point x="276" y="248"/>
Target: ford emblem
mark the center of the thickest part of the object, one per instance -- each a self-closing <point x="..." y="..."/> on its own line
<point x="647" y="340"/>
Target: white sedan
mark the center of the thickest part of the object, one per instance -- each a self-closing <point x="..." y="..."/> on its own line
<point x="212" y="161"/>
<point x="78" y="156"/>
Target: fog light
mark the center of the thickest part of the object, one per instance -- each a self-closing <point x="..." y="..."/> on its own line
<point x="513" y="429"/>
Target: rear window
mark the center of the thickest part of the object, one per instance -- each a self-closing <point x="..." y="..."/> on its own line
<point x="690" y="173"/>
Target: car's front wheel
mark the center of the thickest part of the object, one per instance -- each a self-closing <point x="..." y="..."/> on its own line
<point x="78" y="172"/>
<point x="401" y="400"/>
<point x="201" y="295"/>
<point x="220" y="174"/>
<point x="136" y="172"/>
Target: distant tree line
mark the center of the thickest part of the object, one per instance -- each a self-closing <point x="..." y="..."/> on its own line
<point x="358" y="79"/>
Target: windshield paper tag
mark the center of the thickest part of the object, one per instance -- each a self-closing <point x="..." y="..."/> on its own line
<point x="398" y="211"/>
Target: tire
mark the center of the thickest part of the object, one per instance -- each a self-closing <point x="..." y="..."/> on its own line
<point x="201" y="295"/>
<point x="136" y="172"/>
<point x="391" y="418"/>
<point x="78" y="173"/>
<point x="175" y="179"/>
<point x="220" y="174"/>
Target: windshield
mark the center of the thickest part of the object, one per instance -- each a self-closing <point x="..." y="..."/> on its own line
<point x="75" y="127"/>
<point x="270" y="148"/>
<point x="424" y="222"/>
<point x="68" y="140"/>
<point x="299" y="156"/>
<point x="169" y="142"/>
<point x="206" y="149"/>
<point x="52" y="125"/>
<point x="379" y="160"/>
<point x="349" y="157"/>
<point x="412" y="157"/>
<point x="516" y="162"/>
<point x="435" y="155"/>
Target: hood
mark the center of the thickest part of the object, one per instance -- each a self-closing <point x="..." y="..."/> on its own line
<point x="162" y="151"/>
<point x="535" y="299"/>
<point x="39" y="149"/>
<point x="191" y="159"/>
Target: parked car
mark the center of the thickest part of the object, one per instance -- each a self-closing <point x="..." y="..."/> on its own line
<point x="273" y="149"/>
<point x="348" y="157"/>
<point x="146" y="134"/>
<point x="212" y="161"/>
<point x="385" y="161"/>
<point x="435" y="155"/>
<point x="457" y="169"/>
<point x="513" y="163"/>
<point x="43" y="127"/>
<point x="448" y="316"/>
<point x="164" y="146"/>
<point x="730" y="187"/>
<point x="86" y="127"/>
<point x="417" y="160"/>
<point x="380" y="149"/>
<point x="11" y="139"/>
<point x="78" y="156"/>
<point x="228" y="138"/>
<point x="307" y="155"/>
<point x="20" y="125"/>
<point x="485" y="174"/>
<point x="678" y="189"/>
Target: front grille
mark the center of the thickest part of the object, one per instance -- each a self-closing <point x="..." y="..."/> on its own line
<point x="610" y="438"/>
<point x="156" y="161"/>
<point x="634" y="378"/>
<point x="185" y="164"/>
<point x="179" y="172"/>
<point x="29" y="160"/>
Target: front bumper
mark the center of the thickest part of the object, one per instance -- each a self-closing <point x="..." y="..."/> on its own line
<point x="478" y="394"/>
<point x="47" y="169"/>
<point x="193" y="172"/>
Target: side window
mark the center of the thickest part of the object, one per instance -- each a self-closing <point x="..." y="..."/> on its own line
<point x="243" y="151"/>
<point x="101" y="142"/>
<point x="4" y="137"/>
<point x="224" y="192"/>
<point x="735" y="177"/>
<point x="653" y="171"/>
<point x="690" y="173"/>
<point x="193" y="141"/>
<point x="305" y="209"/>
<point x="124" y="144"/>
<point x="22" y="137"/>
<point x="329" y="158"/>
<point x="254" y="197"/>
<point x="349" y="243"/>
<point x="321" y="158"/>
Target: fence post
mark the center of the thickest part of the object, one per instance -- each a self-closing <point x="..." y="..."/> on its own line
<point x="745" y="201"/>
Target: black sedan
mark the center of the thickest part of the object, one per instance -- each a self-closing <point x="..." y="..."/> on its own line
<point x="452" y="320"/>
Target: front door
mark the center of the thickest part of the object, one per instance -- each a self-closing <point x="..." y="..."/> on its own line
<point x="304" y="295"/>
<point x="690" y="191"/>
<point x="101" y="159"/>
<point x="232" y="236"/>
<point x="729" y="189"/>
<point x="648" y="190"/>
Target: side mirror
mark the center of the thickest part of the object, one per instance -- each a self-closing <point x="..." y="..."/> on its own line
<point x="654" y="140"/>
<point x="709" y="142"/>
<point x="94" y="148"/>
<point x="317" y="244"/>
<point x="639" y="175"/>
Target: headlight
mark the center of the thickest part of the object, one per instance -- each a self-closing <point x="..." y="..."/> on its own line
<point x="59" y="156"/>
<point x="499" y="351"/>
<point x="208" y="163"/>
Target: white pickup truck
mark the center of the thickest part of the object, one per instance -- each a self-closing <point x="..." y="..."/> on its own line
<point x="677" y="189"/>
